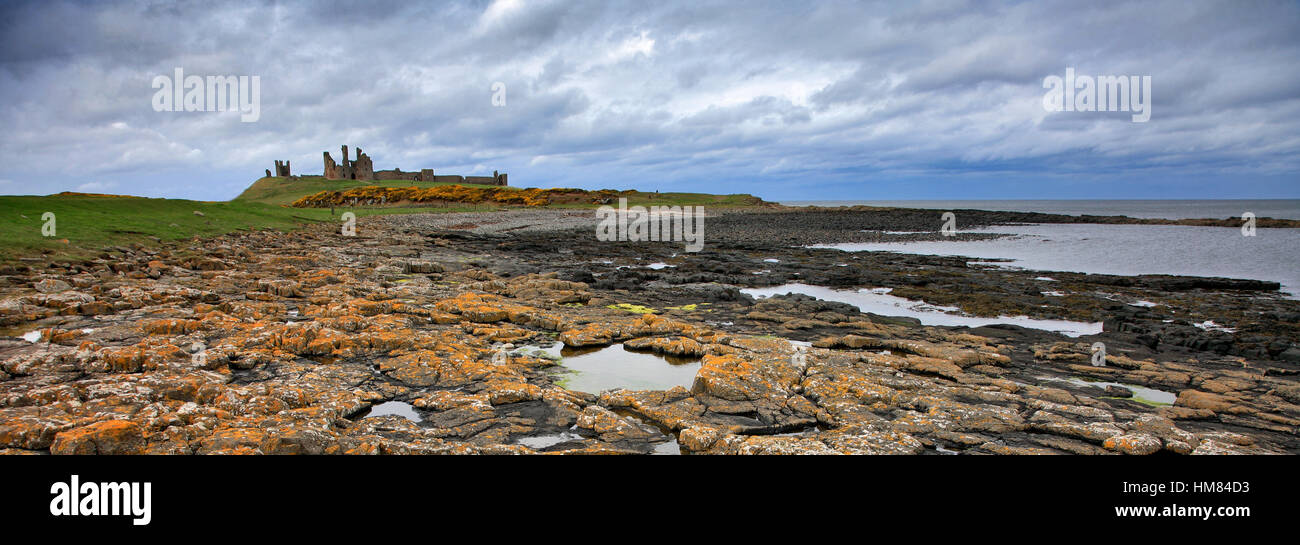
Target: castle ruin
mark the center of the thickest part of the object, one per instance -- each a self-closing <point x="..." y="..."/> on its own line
<point x="359" y="169"/>
<point x="362" y="168"/>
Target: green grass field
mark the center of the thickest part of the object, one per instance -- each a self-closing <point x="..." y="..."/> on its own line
<point x="89" y="223"/>
<point x="85" y="224"/>
<point x="283" y="191"/>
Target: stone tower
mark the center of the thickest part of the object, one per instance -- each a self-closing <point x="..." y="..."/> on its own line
<point x="360" y="169"/>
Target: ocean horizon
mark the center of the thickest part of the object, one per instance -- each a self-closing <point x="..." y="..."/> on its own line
<point x="1135" y="208"/>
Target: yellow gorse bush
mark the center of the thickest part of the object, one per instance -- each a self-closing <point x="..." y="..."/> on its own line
<point x="371" y="195"/>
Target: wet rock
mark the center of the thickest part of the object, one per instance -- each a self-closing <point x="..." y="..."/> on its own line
<point x="1196" y="399"/>
<point x="764" y="444"/>
<point x="1118" y="391"/>
<point x="699" y="438"/>
<point x="301" y="333"/>
<point x="1095" y="432"/>
<point x="677" y="346"/>
<point x="50" y="285"/>
<point x="613" y="428"/>
<point x="107" y="437"/>
<point x="513" y="392"/>
<point x="31" y="428"/>
<point x="1141" y="444"/>
<point x="421" y="267"/>
<point x="279" y="288"/>
<point x="739" y="378"/>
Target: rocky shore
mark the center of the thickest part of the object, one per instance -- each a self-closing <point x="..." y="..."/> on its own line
<point x="275" y="343"/>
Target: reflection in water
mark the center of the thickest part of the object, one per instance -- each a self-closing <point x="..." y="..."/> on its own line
<point x="878" y="301"/>
<point x="538" y="442"/>
<point x="1125" y="250"/>
<point x="595" y="369"/>
<point x="569" y="352"/>
<point x="1140" y="393"/>
<point x="396" y="408"/>
<point x="670" y="448"/>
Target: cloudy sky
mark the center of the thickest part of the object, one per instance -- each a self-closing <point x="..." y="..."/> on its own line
<point x="786" y="100"/>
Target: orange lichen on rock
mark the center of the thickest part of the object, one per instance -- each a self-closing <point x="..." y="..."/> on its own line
<point x="279" y="343"/>
<point x="107" y="437"/>
<point x="170" y="327"/>
<point x="1140" y="444"/>
<point x="745" y="378"/>
<point x="677" y="346"/>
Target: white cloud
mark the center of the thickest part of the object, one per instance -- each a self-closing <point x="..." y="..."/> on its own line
<point x="498" y="11"/>
<point x="673" y="96"/>
<point x="632" y="46"/>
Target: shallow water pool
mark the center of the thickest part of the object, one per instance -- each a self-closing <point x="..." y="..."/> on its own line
<point x="603" y="368"/>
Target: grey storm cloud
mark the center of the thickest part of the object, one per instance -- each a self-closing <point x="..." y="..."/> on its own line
<point x="763" y="97"/>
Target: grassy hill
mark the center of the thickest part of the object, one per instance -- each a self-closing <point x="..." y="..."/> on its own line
<point x="282" y="191"/>
<point x="87" y="223"/>
<point x="84" y="224"/>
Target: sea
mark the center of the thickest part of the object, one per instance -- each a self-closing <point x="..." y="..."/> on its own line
<point x="1168" y="209"/>
<point x="1271" y="254"/>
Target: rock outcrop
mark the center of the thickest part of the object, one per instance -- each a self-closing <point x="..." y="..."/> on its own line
<point x="274" y="343"/>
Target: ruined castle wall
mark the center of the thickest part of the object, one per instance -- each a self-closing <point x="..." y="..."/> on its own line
<point x="397" y="174"/>
<point x="362" y="168"/>
<point x="332" y="171"/>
